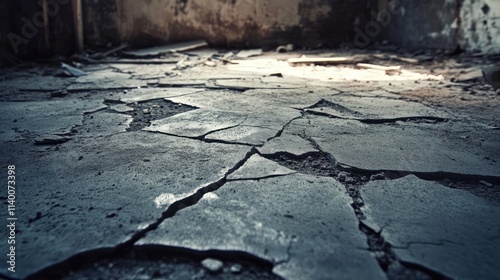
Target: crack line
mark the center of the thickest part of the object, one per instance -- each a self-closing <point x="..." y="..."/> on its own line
<point x="186" y="202"/>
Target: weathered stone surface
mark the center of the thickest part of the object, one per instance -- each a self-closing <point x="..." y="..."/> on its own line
<point x="140" y="95"/>
<point x="197" y="123"/>
<point x="103" y="124"/>
<point x="292" y="144"/>
<point x="376" y="108"/>
<point x="258" y="167"/>
<point x="97" y="192"/>
<point x="244" y="134"/>
<point x="406" y="146"/>
<point x="42" y="118"/>
<point x="304" y="224"/>
<point x="447" y="230"/>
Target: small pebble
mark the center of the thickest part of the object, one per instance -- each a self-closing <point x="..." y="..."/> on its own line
<point x="376" y="177"/>
<point x="342" y="177"/>
<point x="236" y="268"/>
<point x="359" y="201"/>
<point x="212" y="265"/>
<point x="350" y="180"/>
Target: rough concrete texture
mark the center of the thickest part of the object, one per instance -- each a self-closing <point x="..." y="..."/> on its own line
<point x="481" y="25"/>
<point x="443" y="229"/>
<point x="404" y="146"/>
<point x="277" y="172"/>
<point x="90" y="197"/>
<point x="224" y="23"/>
<point x="446" y="24"/>
<point x="271" y="223"/>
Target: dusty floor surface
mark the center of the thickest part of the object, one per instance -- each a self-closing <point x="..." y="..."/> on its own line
<point x="201" y="166"/>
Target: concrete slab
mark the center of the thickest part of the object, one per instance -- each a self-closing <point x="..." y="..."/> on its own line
<point x="303" y="224"/>
<point x="197" y="123"/>
<point x="376" y="108"/>
<point x="103" y="124"/>
<point x="259" y="167"/>
<point x="245" y="84"/>
<point x="43" y="118"/>
<point x="114" y="84"/>
<point x="140" y="95"/>
<point x="250" y="135"/>
<point x="97" y="192"/>
<point x="432" y="148"/>
<point x="292" y="144"/>
<point x="446" y="230"/>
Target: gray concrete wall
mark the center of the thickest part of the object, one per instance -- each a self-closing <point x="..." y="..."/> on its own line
<point x="474" y="25"/>
<point x="423" y="24"/>
<point x="480" y="25"/>
<point x="226" y="22"/>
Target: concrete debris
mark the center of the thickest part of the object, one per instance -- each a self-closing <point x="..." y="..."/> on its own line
<point x="51" y="140"/>
<point x="326" y="61"/>
<point x="492" y="76"/>
<point x="75" y="72"/>
<point x="210" y="63"/>
<point x="256" y="166"/>
<point x="489" y="185"/>
<point x="212" y="265"/>
<point x="469" y="75"/>
<point x="398" y="58"/>
<point x="342" y="177"/>
<point x="101" y="55"/>
<point x="249" y="53"/>
<point x="389" y="70"/>
<point x="379" y="176"/>
<point x="236" y="268"/>
<point x="156" y="51"/>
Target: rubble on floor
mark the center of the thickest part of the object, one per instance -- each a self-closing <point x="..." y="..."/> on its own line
<point x="255" y="164"/>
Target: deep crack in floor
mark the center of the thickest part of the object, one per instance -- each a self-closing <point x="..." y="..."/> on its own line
<point x="157" y="262"/>
<point x="147" y="111"/>
<point x="323" y="164"/>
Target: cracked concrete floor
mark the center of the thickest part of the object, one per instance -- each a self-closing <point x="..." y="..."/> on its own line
<point x="145" y="171"/>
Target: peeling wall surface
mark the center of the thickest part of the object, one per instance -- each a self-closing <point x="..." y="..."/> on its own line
<point x="423" y="24"/>
<point x="445" y="24"/>
<point x="481" y="25"/>
<point x="230" y="22"/>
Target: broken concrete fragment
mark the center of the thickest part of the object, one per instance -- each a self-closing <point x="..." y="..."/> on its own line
<point x="51" y="140"/>
<point x="75" y="72"/>
<point x="389" y="70"/>
<point x="249" y="216"/>
<point x="168" y="49"/>
<point x="325" y="61"/>
<point x="249" y="53"/>
<point x="212" y="265"/>
<point x="445" y="230"/>
<point x="488" y="184"/>
<point x="236" y="268"/>
<point x="492" y="76"/>
<point x="292" y="144"/>
<point x="469" y="75"/>
<point x="379" y="176"/>
<point x="423" y="148"/>
<point x="259" y="167"/>
<point x="210" y="63"/>
<point x="197" y="123"/>
<point x="188" y="163"/>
